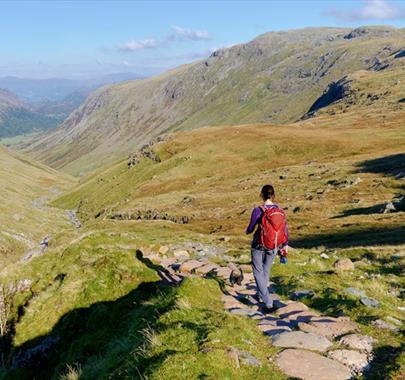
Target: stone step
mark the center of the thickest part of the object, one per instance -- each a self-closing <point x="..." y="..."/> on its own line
<point x="223" y="272"/>
<point x="190" y="265"/>
<point x="273" y="330"/>
<point x="299" y="339"/>
<point x="291" y="309"/>
<point x="329" y="327"/>
<point x="205" y="269"/>
<point x="307" y="365"/>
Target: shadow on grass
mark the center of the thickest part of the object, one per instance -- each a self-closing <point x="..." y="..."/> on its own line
<point x="385" y="362"/>
<point x="390" y="165"/>
<point x="96" y="332"/>
<point x="376" y="209"/>
<point x="345" y="238"/>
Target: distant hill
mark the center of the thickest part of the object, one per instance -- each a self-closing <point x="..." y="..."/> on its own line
<point x="41" y="104"/>
<point x="57" y="89"/>
<point x="277" y="77"/>
<point x="17" y="118"/>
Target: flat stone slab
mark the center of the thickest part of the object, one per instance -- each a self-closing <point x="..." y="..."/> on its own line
<point x="231" y="303"/>
<point x="356" y="361"/>
<point x="206" y="269"/>
<point x="328" y="327"/>
<point x="273" y="330"/>
<point x="303" y="316"/>
<point x="308" y="365"/>
<point x="299" y="339"/>
<point x="245" y="312"/>
<point x="223" y="272"/>
<point x="291" y="309"/>
<point x="358" y="342"/>
<point x="189" y="266"/>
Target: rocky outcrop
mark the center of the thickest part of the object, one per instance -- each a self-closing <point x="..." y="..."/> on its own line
<point x="146" y="151"/>
<point x="149" y="214"/>
<point x="333" y="93"/>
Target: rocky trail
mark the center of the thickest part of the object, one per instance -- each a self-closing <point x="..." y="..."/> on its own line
<point x="314" y="346"/>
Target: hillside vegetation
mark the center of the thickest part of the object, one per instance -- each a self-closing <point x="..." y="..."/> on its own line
<point x="274" y="78"/>
<point x="334" y="186"/>
<point x="94" y="304"/>
<point x="25" y="220"/>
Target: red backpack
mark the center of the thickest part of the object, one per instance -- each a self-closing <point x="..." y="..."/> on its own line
<point x="273" y="227"/>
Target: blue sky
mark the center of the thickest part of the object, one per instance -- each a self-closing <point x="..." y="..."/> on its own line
<point x="89" y="38"/>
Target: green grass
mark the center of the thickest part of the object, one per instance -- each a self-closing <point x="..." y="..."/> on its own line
<point x="113" y="319"/>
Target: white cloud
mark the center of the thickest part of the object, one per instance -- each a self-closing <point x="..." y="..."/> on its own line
<point x="133" y="45"/>
<point x="371" y="10"/>
<point x="179" y="33"/>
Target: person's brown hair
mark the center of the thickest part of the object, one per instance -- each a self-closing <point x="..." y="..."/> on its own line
<point x="268" y="192"/>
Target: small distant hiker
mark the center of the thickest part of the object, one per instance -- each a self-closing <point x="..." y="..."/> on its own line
<point x="44" y="243"/>
<point x="269" y="240"/>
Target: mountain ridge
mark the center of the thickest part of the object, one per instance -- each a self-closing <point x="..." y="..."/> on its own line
<point x="276" y="78"/>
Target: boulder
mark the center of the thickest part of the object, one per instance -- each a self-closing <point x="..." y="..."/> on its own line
<point x="299" y="339"/>
<point x="388" y="208"/>
<point x="356" y="361"/>
<point x="344" y="264"/>
<point x="308" y="365"/>
<point x="358" y="342"/>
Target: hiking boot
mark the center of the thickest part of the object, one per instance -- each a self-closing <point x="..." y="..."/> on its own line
<point x="268" y="310"/>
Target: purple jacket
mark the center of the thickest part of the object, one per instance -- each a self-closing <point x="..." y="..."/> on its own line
<point x="255" y="220"/>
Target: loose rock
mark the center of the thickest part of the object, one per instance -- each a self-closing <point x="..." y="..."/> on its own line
<point x="358" y="342"/>
<point x="371" y="302"/>
<point x="344" y="264"/>
<point x="379" y="323"/>
<point x="356" y="361"/>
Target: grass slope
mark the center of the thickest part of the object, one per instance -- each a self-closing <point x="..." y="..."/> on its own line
<point x="274" y="78"/>
<point x="24" y="217"/>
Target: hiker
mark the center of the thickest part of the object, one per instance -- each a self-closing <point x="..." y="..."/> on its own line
<point x="269" y="240"/>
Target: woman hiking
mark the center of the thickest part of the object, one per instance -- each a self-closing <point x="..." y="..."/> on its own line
<point x="269" y="239"/>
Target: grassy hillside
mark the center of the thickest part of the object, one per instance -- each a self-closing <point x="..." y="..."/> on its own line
<point x="332" y="174"/>
<point x="274" y="78"/>
<point x="24" y="216"/>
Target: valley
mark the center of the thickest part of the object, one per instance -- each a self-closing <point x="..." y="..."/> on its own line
<point x="163" y="171"/>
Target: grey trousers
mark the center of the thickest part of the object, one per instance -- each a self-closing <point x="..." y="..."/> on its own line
<point x="262" y="260"/>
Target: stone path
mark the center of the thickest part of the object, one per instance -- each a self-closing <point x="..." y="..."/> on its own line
<point x="315" y="347"/>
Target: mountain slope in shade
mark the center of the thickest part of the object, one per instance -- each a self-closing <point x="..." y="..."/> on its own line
<point x="276" y="77"/>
